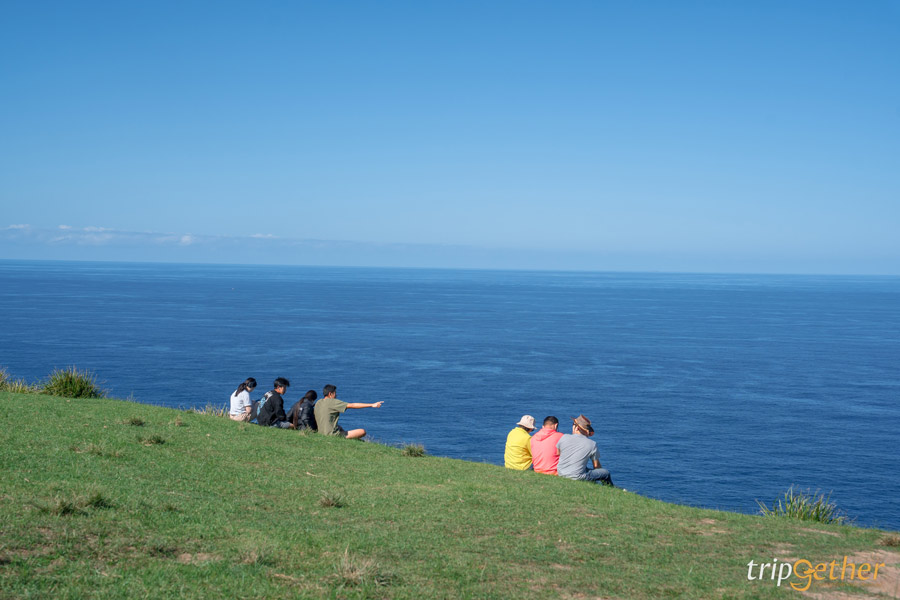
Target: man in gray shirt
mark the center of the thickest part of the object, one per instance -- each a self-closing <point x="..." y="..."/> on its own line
<point x="576" y="449"/>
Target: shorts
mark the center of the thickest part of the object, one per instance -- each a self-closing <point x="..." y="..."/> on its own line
<point x="340" y="432"/>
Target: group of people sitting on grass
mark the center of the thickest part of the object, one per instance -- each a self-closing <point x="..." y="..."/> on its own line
<point x="307" y="413"/>
<point x="552" y="452"/>
<point x="548" y="451"/>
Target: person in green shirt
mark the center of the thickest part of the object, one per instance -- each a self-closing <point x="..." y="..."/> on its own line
<point x="328" y="410"/>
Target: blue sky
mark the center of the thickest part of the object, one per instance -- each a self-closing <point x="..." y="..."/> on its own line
<point x="650" y="136"/>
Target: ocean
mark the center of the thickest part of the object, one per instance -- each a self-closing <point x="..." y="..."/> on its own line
<point x="707" y="390"/>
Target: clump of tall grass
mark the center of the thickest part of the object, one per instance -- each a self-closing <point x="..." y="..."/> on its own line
<point x="354" y="571"/>
<point x="152" y="440"/>
<point x="77" y="505"/>
<point x="804" y="505"/>
<point x="211" y="409"/>
<point x="16" y="386"/>
<point x="414" y="450"/>
<point x="330" y="499"/>
<point x="72" y="383"/>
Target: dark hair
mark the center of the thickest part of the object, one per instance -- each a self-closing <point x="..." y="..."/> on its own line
<point x="282" y="382"/>
<point x="248" y="385"/>
<point x="551" y="420"/>
<point x="309" y="396"/>
<point x="328" y="389"/>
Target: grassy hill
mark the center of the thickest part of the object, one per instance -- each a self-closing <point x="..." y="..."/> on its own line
<point x="111" y="499"/>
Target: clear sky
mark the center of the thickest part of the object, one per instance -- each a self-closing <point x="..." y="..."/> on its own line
<point x="756" y="136"/>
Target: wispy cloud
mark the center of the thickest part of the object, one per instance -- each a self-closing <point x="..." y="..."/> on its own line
<point x="93" y="235"/>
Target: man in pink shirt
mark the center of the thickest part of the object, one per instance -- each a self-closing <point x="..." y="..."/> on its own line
<point x="543" y="447"/>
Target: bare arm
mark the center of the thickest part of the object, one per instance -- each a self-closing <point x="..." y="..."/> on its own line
<point x="596" y="464"/>
<point x="364" y="405"/>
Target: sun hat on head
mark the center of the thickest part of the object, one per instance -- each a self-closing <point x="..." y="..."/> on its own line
<point x="583" y="423"/>
<point x="527" y="421"/>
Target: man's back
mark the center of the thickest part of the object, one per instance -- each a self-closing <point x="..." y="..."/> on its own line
<point x="272" y="409"/>
<point x="574" y="452"/>
<point x="543" y="450"/>
<point x="327" y="411"/>
<point x="518" y="450"/>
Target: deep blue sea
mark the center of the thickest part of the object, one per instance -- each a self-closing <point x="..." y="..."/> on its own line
<point x="709" y="390"/>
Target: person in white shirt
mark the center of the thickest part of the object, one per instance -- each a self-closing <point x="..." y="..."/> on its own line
<point x="242" y="407"/>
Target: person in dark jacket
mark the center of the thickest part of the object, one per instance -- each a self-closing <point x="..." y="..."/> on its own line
<point x="302" y="415"/>
<point x="271" y="411"/>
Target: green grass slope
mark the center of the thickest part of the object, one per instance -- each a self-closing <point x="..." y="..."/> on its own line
<point x="111" y="499"/>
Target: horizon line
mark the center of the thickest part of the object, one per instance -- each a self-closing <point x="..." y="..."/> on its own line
<point x="444" y="268"/>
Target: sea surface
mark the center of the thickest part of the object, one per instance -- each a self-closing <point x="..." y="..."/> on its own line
<point x="708" y="390"/>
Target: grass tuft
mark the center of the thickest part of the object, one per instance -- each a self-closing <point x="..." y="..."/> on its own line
<point x="161" y="550"/>
<point x="805" y="506"/>
<point x="95" y="449"/>
<point x="330" y="499"/>
<point x="98" y="501"/>
<point x="136" y="421"/>
<point x="66" y="507"/>
<point x="15" y="386"/>
<point x="76" y="506"/>
<point x="211" y="409"/>
<point x="890" y="540"/>
<point x="72" y="383"/>
<point x="152" y="440"/>
<point x="91" y="448"/>
<point x="178" y="422"/>
<point x="258" y="556"/>
<point x="415" y="450"/>
<point x="352" y="571"/>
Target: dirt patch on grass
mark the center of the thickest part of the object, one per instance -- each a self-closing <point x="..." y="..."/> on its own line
<point x="888" y="581"/>
<point x="784" y="553"/>
<point x="887" y="584"/>
<point x="24" y="553"/>
<point x="712" y="531"/>
<point x="197" y="559"/>
<point x="834" y="595"/>
<point x="821" y="532"/>
<point x="705" y="530"/>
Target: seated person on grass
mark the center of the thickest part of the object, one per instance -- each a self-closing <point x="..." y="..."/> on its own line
<point x="242" y="407"/>
<point x="271" y="410"/>
<point x="576" y="449"/>
<point x="518" y="445"/>
<point x="543" y="447"/>
<point x="302" y="415"/>
<point x="328" y="410"/>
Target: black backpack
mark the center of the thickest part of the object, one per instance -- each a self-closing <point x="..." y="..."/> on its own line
<point x="262" y="415"/>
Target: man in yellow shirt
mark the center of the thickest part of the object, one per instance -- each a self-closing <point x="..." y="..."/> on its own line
<point x="518" y="445"/>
